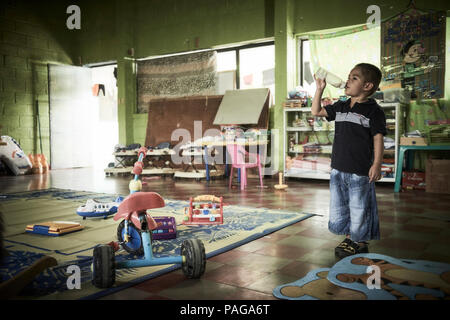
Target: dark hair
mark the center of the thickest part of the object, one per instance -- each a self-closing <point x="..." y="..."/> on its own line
<point x="408" y="46"/>
<point x="370" y="74"/>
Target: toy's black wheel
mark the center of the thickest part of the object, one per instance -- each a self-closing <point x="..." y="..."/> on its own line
<point x="134" y="244"/>
<point x="194" y="263"/>
<point x="104" y="267"/>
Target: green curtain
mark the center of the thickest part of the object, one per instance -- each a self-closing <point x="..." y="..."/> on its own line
<point x="338" y="52"/>
<point x="420" y="114"/>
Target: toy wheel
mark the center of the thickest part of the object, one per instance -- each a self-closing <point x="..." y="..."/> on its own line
<point x="104" y="267"/>
<point x="134" y="245"/>
<point x="195" y="258"/>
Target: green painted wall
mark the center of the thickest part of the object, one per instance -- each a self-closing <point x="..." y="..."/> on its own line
<point x="102" y="35"/>
<point x="183" y="25"/>
<point x="320" y="15"/>
<point x="29" y="39"/>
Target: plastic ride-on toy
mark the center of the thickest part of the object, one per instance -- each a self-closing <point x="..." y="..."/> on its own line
<point x="134" y="234"/>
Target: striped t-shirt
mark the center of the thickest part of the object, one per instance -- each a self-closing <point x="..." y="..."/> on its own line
<point x="353" y="135"/>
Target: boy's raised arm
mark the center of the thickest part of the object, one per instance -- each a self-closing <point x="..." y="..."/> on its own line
<point x="316" y="108"/>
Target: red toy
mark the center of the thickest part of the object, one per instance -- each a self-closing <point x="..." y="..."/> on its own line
<point x="207" y="210"/>
<point x="134" y="234"/>
<point x="136" y="204"/>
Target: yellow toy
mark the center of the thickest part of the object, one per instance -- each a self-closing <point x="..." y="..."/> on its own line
<point x="280" y="185"/>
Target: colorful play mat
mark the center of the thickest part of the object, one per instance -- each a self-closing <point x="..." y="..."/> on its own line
<point x="241" y="225"/>
<point x="372" y="276"/>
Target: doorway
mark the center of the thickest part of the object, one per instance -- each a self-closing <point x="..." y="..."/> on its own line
<point x="107" y="124"/>
<point x="83" y="120"/>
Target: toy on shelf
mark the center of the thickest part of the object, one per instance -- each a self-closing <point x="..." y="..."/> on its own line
<point x="204" y="209"/>
<point x="94" y="208"/>
<point x="135" y="236"/>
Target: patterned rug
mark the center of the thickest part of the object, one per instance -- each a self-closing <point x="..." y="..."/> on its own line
<point x="241" y="225"/>
<point x="372" y="276"/>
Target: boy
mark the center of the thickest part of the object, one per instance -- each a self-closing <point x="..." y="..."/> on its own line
<point x="360" y="125"/>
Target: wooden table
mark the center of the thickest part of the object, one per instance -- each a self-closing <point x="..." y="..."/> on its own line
<point x="222" y="144"/>
<point x="121" y="166"/>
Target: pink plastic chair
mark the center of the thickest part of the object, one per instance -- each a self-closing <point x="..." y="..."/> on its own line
<point x="238" y="155"/>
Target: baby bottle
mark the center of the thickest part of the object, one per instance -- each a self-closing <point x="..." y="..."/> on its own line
<point x="332" y="79"/>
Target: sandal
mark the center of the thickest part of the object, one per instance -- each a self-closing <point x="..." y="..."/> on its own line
<point x="353" y="248"/>
<point x="342" y="245"/>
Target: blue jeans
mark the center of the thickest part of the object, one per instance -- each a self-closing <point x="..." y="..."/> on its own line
<point x="353" y="206"/>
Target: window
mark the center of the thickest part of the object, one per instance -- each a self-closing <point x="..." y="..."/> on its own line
<point x="338" y="53"/>
<point x="206" y="72"/>
<point x="226" y="61"/>
<point x="306" y="73"/>
<point x="246" y="67"/>
<point x="226" y="71"/>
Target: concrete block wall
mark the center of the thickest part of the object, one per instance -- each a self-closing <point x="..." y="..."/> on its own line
<point x="26" y="47"/>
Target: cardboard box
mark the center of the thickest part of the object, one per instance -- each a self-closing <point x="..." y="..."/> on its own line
<point x="413" y="180"/>
<point x="413" y="141"/>
<point x="437" y="176"/>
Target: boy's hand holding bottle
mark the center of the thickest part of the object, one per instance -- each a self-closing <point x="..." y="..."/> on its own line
<point x="329" y="77"/>
<point x="320" y="83"/>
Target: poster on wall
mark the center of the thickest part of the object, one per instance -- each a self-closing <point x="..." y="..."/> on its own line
<point x="176" y="76"/>
<point x="413" y="53"/>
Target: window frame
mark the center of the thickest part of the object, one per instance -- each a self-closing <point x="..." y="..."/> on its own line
<point x="237" y="50"/>
<point x="218" y="50"/>
<point x="300" y="42"/>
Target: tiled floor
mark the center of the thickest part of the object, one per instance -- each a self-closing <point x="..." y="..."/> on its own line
<point x="414" y="225"/>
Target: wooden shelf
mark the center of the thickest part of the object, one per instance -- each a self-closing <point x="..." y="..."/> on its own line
<point x="296" y="134"/>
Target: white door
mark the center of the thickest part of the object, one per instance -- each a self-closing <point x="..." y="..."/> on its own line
<point x="71" y="117"/>
<point x="107" y="124"/>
